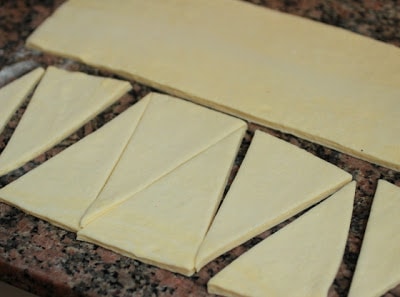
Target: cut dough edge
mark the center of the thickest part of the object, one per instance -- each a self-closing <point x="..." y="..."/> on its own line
<point x="226" y="282"/>
<point x="86" y="234"/>
<point x="92" y="215"/>
<point x="18" y="90"/>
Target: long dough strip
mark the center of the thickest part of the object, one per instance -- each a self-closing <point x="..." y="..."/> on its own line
<point x="321" y="83"/>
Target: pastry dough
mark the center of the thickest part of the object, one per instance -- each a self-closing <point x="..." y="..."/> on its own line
<point x="165" y="223"/>
<point x="300" y="260"/>
<point x="318" y="82"/>
<point x="276" y="180"/>
<point x="171" y="132"/>
<point x="61" y="189"/>
<point x="13" y="94"/>
<point x="62" y="102"/>
<point x="378" y="266"/>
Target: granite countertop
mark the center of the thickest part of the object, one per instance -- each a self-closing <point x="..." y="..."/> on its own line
<point x="49" y="261"/>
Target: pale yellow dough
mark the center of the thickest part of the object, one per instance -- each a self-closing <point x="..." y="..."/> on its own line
<point x="165" y="224"/>
<point x="300" y="260"/>
<point x="276" y="180"/>
<point x="13" y="94"/>
<point x="378" y="266"/>
<point x="322" y="83"/>
<point x="62" y="102"/>
<point x="171" y="132"/>
<point x="61" y="189"/>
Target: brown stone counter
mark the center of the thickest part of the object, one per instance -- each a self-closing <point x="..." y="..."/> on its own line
<point x="49" y="261"/>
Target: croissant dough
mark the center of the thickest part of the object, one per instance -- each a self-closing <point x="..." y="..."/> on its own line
<point x="300" y="260"/>
<point x="171" y="132"/>
<point x="13" y="94"/>
<point x="165" y="223"/>
<point x="61" y="189"/>
<point x="275" y="181"/>
<point x="318" y="82"/>
<point x="63" y="101"/>
<point x="378" y="266"/>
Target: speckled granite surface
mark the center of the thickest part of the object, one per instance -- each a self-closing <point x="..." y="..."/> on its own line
<point x="49" y="261"/>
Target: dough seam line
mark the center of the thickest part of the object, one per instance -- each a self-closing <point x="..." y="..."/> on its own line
<point x="120" y="156"/>
<point x="160" y="177"/>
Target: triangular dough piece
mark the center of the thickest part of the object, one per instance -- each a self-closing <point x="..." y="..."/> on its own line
<point x="62" y="102"/>
<point x="300" y="260"/>
<point x="63" y="187"/>
<point x="165" y="224"/>
<point x="378" y="266"/>
<point x="276" y="180"/>
<point x="171" y="132"/>
<point x="13" y="94"/>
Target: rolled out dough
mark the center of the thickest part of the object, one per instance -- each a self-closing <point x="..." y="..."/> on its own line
<point x="62" y="102"/>
<point x="275" y="181"/>
<point x="321" y="83"/>
<point x="61" y="189"/>
<point x="171" y="132"/>
<point x="300" y="260"/>
<point x="165" y="223"/>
